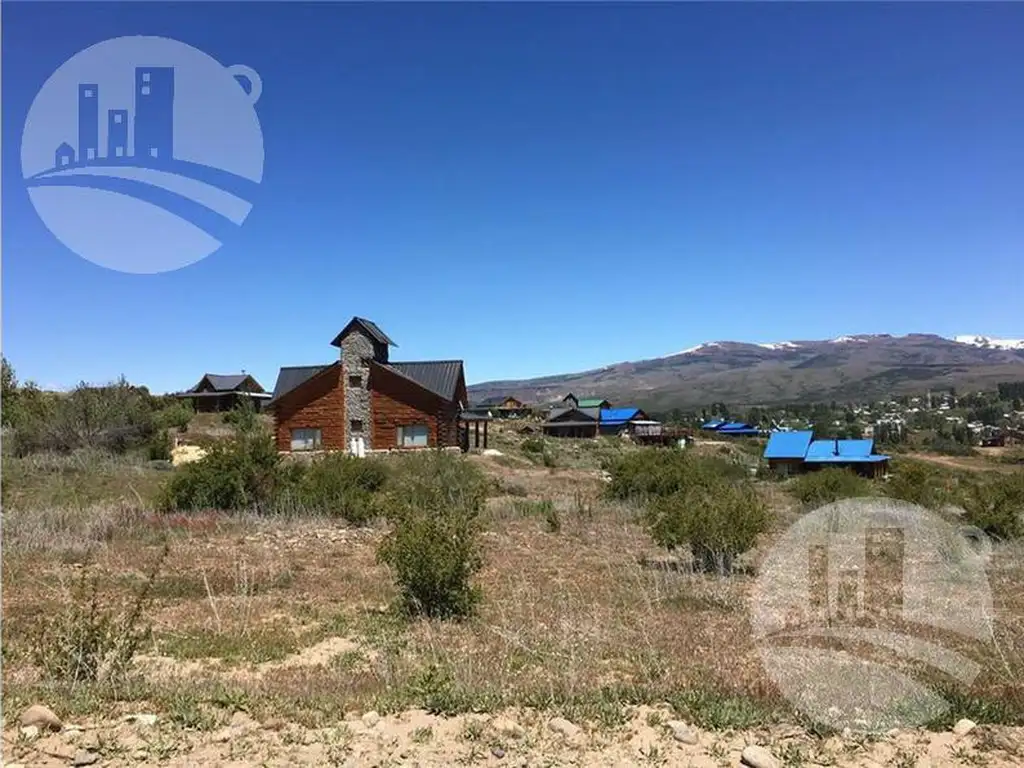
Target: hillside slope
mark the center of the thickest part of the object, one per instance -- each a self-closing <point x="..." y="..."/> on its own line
<point x="850" y="367"/>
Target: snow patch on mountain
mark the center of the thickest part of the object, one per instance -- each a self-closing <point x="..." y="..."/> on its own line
<point x="698" y="348"/>
<point x="780" y="345"/>
<point x="988" y="342"/>
<point x="847" y="339"/>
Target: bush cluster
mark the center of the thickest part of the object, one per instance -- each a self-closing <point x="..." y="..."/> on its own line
<point x="708" y="503"/>
<point x="433" y="547"/>
<point x="828" y="485"/>
<point x="654" y="472"/>
<point x="116" y="417"/>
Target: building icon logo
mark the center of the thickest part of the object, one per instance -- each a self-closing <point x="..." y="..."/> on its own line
<point x="143" y="154"/>
<point x="866" y="609"/>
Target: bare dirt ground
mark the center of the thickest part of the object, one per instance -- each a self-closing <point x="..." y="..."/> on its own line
<point x="273" y="645"/>
<point x="981" y="463"/>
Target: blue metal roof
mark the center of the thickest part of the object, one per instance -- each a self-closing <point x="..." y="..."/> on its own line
<point x="713" y="424"/>
<point x="788" y="445"/>
<point x="839" y="450"/>
<point x="735" y="425"/>
<point x="831" y="459"/>
<point x="618" y="415"/>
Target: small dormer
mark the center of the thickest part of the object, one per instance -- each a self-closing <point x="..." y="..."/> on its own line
<point x="363" y="339"/>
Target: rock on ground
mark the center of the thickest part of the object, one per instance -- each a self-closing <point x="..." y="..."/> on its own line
<point x="757" y="757"/>
<point x="41" y="717"/>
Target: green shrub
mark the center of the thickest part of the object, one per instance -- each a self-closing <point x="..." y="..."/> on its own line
<point x="654" y="472"/>
<point x="719" y="519"/>
<point x="174" y="416"/>
<point x="825" y="486"/>
<point x="433" y="548"/>
<point x="235" y="474"/>
<point x="160" y="446"/>
<point x="243" y="416"/>
<point x="918" y="483"/>
<point x="949" y="447"/>
<point x="996" y="505"/>
<point x="343" y="486"/>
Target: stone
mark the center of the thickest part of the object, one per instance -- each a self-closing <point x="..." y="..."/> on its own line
<point x="370" y="719"/>
<point x="508" y="727"/>
<point x="30" y="731"/>
<point x="562" y="726"/>
<point x="84" y="757"/>
<point x="141" y="719"/>
<point x="498" y="752"/>
<point x="964" y="726"/>
<point x="275" y="724"/>
<point x="682" y="732"/>
<point x="757" y="757"/>
<point x="41" y="717"/>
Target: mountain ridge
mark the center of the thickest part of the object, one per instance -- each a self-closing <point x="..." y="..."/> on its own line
<point x="859" y="366"/>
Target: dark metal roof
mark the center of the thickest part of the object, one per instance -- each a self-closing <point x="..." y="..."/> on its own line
<point x="438" y="376"/>
<point x="590" y="413"/>
<point x="222" y="382"/>
<point x="292" y="376"/>
<point x="369" y="326"/>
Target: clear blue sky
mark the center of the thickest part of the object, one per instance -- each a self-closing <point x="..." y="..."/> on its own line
<point x="546" y="188"/>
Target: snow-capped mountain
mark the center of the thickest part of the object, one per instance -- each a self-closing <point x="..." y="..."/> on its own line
<point x="987" y="342"/>
<point x="855" y="366"/>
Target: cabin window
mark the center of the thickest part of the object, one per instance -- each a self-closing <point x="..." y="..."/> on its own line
<point x="413" y="436"/>
<point x="355" y="425"/>
<point x="355" y="381"/>
<point x="306" y="439"/>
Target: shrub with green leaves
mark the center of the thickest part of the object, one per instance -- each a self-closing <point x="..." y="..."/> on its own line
<point x="433" y="546"/>
<point x="160" y="446"/>
<point x="917" y="483"/>
<point x="825" y="486"/>
<point x="343" y="486"/>
<point x="996" y="505"/>
<point x="236" y="474"/>
<point x="719" y="519"/>
<point x="654" y="472"/>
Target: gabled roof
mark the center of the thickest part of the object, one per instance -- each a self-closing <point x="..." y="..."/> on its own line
<point x="788" y="445"/>
<point x="438" y="376"/>
<point x="293" y="376"/>
<point x="588" y="415"/>
<point x="222" y="382"/>
<point x="368" y="326"/>
<point x="618" y="415"/>
<point x="591" y="402"/>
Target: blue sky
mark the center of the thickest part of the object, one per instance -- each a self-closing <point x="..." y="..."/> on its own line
<point x="546" y="188"/>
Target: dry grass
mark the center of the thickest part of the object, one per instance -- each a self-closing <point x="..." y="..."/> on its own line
<point x="572" y="621"/>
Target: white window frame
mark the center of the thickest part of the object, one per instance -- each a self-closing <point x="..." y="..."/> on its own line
<point x="414" y="436"/>
<point x="306" y="439"/>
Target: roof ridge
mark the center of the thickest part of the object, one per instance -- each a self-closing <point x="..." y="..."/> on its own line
<point x="413" y="362"/>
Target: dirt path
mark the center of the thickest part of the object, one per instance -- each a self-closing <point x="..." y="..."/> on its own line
<point x="968" y="463"/>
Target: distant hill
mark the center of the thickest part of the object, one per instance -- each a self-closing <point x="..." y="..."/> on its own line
<point x="848" y="368"/>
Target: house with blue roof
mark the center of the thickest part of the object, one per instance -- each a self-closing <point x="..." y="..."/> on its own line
<point x="791" y="452"/>
<point x="731" y="428"/>
<point x="613" y="421"/>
